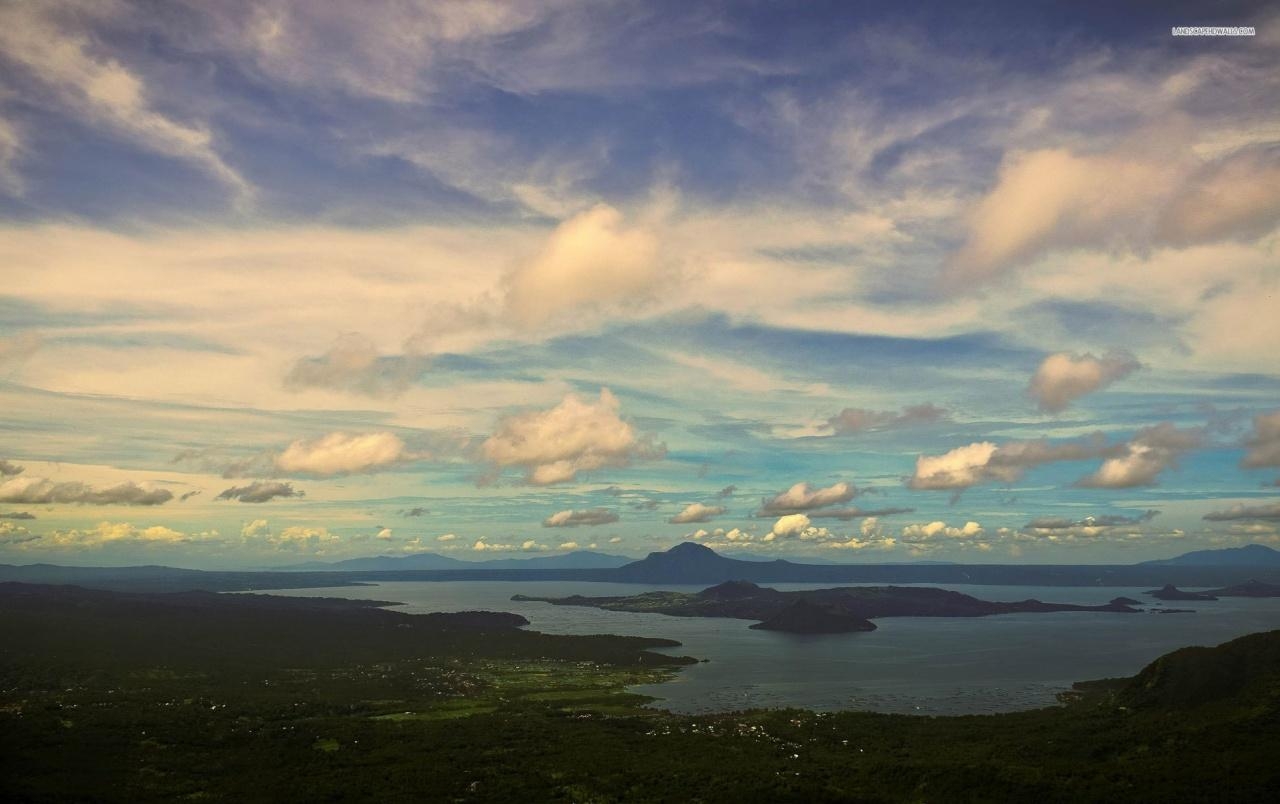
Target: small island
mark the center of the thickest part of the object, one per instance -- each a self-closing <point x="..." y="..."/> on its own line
<point x="826" y="611"/>
<point x="1171" y="592"/>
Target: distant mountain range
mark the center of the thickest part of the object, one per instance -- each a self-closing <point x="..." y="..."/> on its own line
<point x="579" y="559"/>
<point x="1251" y="555"/>
<point x="687" y="563"/>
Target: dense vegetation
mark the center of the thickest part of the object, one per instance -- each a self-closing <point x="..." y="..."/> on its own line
<point x="250" y="698"/>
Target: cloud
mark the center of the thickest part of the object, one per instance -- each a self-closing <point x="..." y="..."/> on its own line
<point x="448" y="537"/>
<point x="301" y="537"/>
<point x="1104" y="521"/>
<point x="1142" y="459"/>
<point x="854" y="512"/>
<point x="39" y="491"/>
<point x="16" y="349"/>
<point x="726" y="492"/>
<point x="16" y="535"/>
<point x="797" y="526"/>
<point x="803" y="497"/>
<point x="353" y="365"/>
<point x="697" y="512"/>
<point x="860" y="420"/>
<point x="932" y="530"/>
<point x="1238" y="196"/>
<point x="1263" y="442"/>
<point x="592" y="261"/>
<point x="531" y="546"/>
<point x="11" y="151"/>
<point x="8" y="469"/>
<point x="104" y="91"/>
<point x="384" y="534"/>
<point x="260" y="492"/>
<point x="482" y="546"/>
<point x="1153" y="190"/>
<point x="17" y="515"/>
<point x="573" y="519"/>
<point x="255" y="529"/>
<point x="984" y="461"/>
<point x="111" y="533"/>
<point x="1266" y="512"/>
<point x="553" y="446"/>
<point x="343" y="454"/>
<point x="415" y="512"/>
<point x="1064" y="377"/>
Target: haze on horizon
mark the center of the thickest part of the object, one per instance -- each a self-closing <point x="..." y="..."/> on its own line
<point x="288" y="280"/>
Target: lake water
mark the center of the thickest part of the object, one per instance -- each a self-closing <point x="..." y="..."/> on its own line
<point x="916" y="665"/>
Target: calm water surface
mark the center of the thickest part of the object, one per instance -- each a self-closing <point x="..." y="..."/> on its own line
<point x="915" y="665"/>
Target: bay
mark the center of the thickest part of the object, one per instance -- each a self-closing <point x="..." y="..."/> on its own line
<point x="914" y="665"/>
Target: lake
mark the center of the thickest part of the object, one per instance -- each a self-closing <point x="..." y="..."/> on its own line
<point x="914" y="665"/>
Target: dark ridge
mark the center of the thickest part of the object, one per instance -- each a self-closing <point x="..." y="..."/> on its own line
<point x="1171" y="592"/>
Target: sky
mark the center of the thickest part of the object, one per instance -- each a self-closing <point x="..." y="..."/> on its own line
<point x="865" y="282"/>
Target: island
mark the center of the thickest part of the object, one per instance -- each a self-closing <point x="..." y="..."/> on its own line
<point x="835" y="610"/>
<point x="1248" y="589"/>
<point x="1171" y="592"/>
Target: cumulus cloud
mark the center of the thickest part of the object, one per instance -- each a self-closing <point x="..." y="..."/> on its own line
<point x="860" y="420"/>
<point x="8" y="469"/>
<point x="260" y="492"/>
<point x="592" y="261"/>
<point x="383" y="534"/>
<point x="731" y="536"/>
<point x="803" y="497"/>
<point x="553" y="446"/>
<point x="301" y="537"/>
<point x="1264" y="442"/>
<point x="482" y="546"/>
<point x="1265" y="512"/>
<point x="797" y="526"/>
<point x="343" y="454"/>
<point x="1142" y="459"/>
<point x="39" y="491"/>
<point x="932" y="530"/>
<point x="447" y="537"/>
<point x="573" y="519"/>
<point x="110" y="533"/>
<point x="697" y="512"/>
<point x="255" y="529"/>
<point x="984" y="461"/>
<point x="353" y="364"/>
<point x="531" y="546"/>
<point x="1064" y="377"/>
<point x="569" y="545"/>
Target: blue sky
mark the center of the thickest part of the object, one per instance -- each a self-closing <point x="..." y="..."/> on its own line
<point x="858" y="281"/>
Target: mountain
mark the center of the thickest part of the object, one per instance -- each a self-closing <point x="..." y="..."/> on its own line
<point x="689" y="562"/>
<point x="579" y="559"/>
<point x="1251" y="555"/>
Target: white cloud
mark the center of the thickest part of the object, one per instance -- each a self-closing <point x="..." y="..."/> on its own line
<point x="1064" y="377"/>
<point x="573" y="519"/>
<point x="569" y="546"/>
<point x="553" y="446"/>
<point x="255" y="529"/>
<point x="343" y="454"/>
<point x="384" y="534"/>
<point x="531" y="546"/>
<point x="104" y="91"/>
<point x="931" y="530"/>
<point x="1149" y="453"/>
<point x="301" y="537"/>
<point x="697" y="512"/>
<point x="592" y="261"/>
<point x="447" y="537"/>
<point x="983" y="461"/>
<point x="111" y="533"/>
<point x="803" y="497"/>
